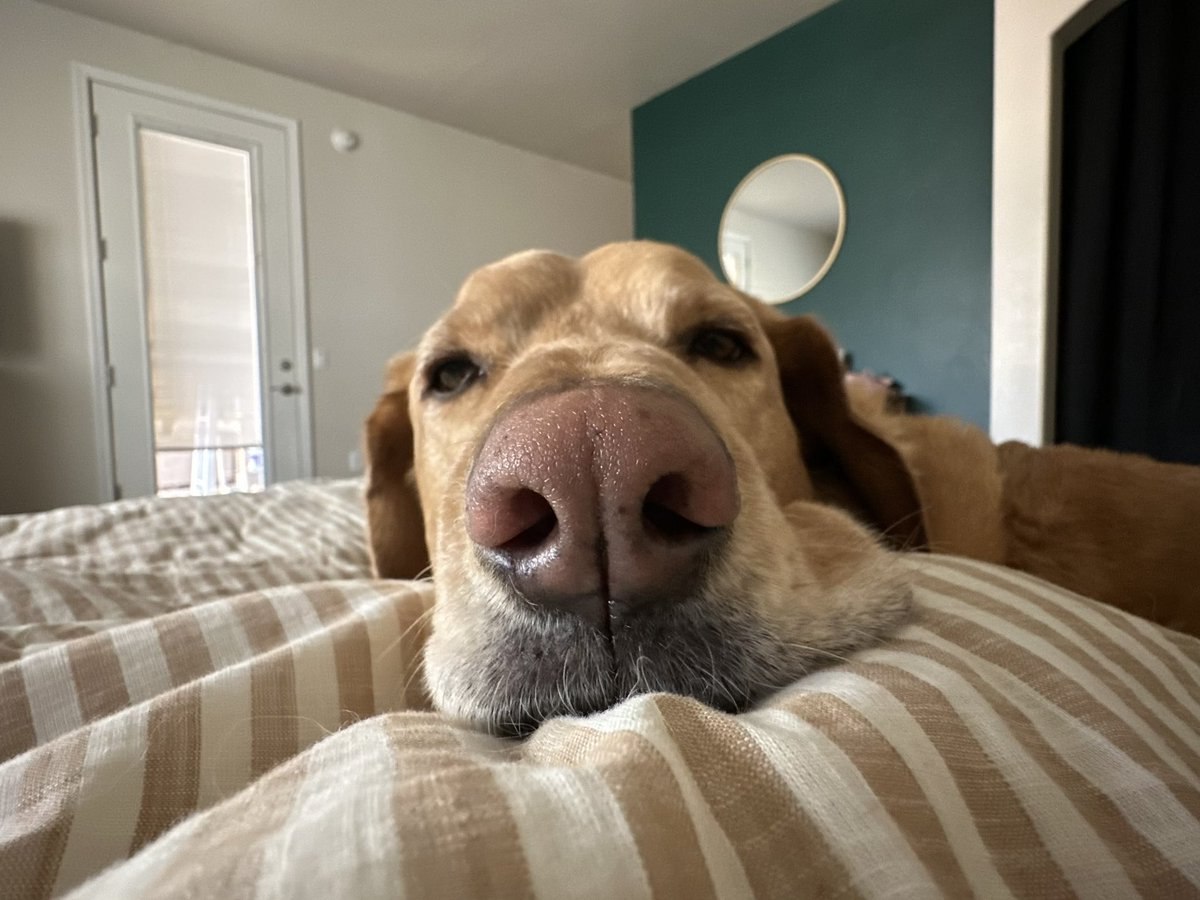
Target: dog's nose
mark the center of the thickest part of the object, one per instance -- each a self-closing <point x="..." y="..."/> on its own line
<point x="601" y="498"/>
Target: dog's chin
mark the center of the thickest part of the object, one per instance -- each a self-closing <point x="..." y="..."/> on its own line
<point x="524" y="667"/>
<point x="536" y="665"/>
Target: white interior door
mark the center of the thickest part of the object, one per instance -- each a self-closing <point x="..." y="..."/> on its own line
<point x="204" y="318"/>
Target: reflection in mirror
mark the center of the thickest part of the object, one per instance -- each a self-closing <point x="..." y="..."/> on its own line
<point x="782" y="228"/>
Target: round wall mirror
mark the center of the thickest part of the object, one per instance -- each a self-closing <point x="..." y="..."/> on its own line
<point x="782" y="228"/>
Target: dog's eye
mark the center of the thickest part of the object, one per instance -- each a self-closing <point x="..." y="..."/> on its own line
<point x="720" y="345"/>
<point x="452" y="376"/>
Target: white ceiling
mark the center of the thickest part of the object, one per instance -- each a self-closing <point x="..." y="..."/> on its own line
<point x="557" y="77"/>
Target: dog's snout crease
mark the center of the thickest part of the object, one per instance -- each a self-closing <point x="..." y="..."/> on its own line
<point x="601" y="499"/>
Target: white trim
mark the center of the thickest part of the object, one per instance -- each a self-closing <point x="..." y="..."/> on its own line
<point x="93" y="280"/>
<point x="303" y="363"/>
<point x="83" y="76"/>
<point x="164" y="92"/>
<point x="1029" y="37"/>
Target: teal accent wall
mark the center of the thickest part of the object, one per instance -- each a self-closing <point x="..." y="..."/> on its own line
<point x="896" y="97"/>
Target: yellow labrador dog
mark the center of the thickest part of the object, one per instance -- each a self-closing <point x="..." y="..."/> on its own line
<point x="628" y="476"/>
<point x="613" y="495"/>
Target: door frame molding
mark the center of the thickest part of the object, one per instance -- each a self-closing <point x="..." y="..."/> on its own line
<point x="83" y="76"/>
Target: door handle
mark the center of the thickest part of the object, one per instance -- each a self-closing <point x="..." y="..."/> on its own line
<point x="286" y="389"/>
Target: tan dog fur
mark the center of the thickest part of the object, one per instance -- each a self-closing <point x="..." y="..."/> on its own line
<point x="1107" y="525"/>
<point x="799" y="583"/>
<point x="1115" y="527"/>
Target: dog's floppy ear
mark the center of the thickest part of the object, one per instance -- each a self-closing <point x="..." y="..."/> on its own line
<point x="858" y="464"/>
<point x="394" y="525"/>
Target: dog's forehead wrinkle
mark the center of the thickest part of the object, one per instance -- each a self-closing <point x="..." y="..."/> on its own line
<point x="531" y="273"/>
<point x="502" y="305"/>
<point x="645" y="277"/>
<point x="645" y="259"/>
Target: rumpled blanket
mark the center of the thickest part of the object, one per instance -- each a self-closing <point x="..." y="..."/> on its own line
<point x="213" y="698"/>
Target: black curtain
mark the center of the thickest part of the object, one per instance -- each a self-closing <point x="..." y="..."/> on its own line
<point x="1129" y="302"/>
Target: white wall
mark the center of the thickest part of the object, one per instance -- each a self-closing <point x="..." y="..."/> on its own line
<point x="1025" y="198"/>
<point x="391" y="230"/>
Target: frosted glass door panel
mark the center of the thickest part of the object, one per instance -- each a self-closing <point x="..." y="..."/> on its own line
<point x="199" y="247"/>
<point x="202" y="315"/>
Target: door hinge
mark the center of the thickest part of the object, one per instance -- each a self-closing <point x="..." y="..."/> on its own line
<point x="117" y="492"/>
<point x="112" y="377"/>
<point x="103" y="250"/>
<point x="95" y="125"/>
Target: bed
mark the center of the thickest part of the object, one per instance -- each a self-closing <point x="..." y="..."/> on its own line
<point x="212" y="697"/>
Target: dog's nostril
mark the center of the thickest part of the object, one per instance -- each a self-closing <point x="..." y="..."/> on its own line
<point x="530" y="507"/>
<point x="670" y="526"/>
<point x="662" y="510"/>
<point x="516" y="519"/>
<point x="670" y="491"/>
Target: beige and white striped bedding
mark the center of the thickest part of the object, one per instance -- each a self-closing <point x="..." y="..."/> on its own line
<point x="211" y="698"/>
